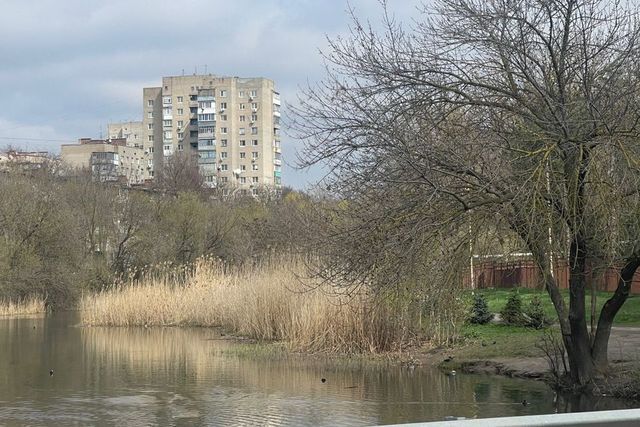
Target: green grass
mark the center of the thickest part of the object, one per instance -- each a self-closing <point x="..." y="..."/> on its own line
<point x="629" y="314"/>
<point x="489" y="341"/>
<point x="494" y="341"/>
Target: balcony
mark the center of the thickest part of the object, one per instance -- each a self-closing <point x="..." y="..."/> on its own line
<point x="277" y="162"/>
<point x="205" y="133"/>
<point x="207" y="161"/>
<point x="276" y="98"/>
<point x="207" y="144"/>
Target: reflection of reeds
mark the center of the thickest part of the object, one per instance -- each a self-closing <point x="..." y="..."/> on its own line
<point x="266" y="302"/>
<point x="34" y="305"/>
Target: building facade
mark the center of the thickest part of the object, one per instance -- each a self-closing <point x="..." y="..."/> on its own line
<point x="230" y="124"/>
<point x="107" y="160"/>
<point x="130" y="131"/>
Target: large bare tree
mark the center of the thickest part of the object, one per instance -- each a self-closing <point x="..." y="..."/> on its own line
<point x="517" y="115"/>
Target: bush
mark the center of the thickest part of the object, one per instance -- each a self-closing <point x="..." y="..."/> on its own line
<point x="512" y="312"/>
<point x="536" y="317"/>
<point x="480" y="313"/>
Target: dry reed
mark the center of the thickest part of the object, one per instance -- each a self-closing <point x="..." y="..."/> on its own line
<point x="266" y="302"/>
<point x="34" y="305"/>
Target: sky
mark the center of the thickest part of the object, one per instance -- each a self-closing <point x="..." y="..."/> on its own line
<point x="70" y="67"/>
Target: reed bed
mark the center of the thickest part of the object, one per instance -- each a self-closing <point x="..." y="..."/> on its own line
<point x="265" y="302"/>
<point x="27" y="306"/>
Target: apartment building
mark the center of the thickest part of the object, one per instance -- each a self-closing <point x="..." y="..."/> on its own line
<point x="107" y="160"/>
<point x="231" y="124"/>
<point x="130" y="131"/>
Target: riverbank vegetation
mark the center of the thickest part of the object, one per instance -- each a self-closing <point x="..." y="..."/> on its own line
<point x="32" y="305"/>
<point x="272" y="300"/>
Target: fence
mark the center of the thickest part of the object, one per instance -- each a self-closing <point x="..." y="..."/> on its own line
<point x="523" y="272"/>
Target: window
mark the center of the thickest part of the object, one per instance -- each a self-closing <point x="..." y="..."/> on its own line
<point x="254" y="93"/>
<point x="223" y="154"/>
<point x="254" y="117"/>
<point x="241" y="94"/>
<point x="254" y="130"/>
<point x="166" y="122"/>
<point x="206" y="104"/>
<point x="167" y="147"/>
<point x="225" y="179"/>
<point x="243" y="180"/>
<point x="180" y="147"/>
<point x="254" y="155"/>
<point x="223" y="93"/>
<point x="149" y="102"/>
<point x="223" y="131"/>
<point x="166" y="100"/>
<point x="254" y="191"/>
<point x="243" y="142"/>
<point x="150" y="126"/>
<point x="209" y="178"/>
<point x="254" y="167"/>
<point x="167" y="111"/>
<point x="223" y="106"/>
<point x="180" y="111"/>
<point x="193" y="97"/>
<point x="243" y="155"/>
<point x="150" y="115"/>
<point x="150" y="138"/>
<point x="193" y="110"/>
<point x="167" y="135"/>
<point x="243" y="167"/>
<point x="223" y="117"/>
<point x="205" y="117"/>
<point x="254" y="179"/>
<point x="193" y="122"/>
<point x="223" y="167"/>
<point x="180" y="123"/>
<point x="242" y="118"/>
<point x="180" y="135"/>
<point x="242" y="106"/>
<point x="254" y="106"/>
<point x="223" y="142"/>
<point x="241" y="131"/>
<point x="150" y="151"/>
<point x="193" y="134"/>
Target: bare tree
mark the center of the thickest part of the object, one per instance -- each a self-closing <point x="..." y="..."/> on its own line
<point x="180" y="173"/>
<point x="489" y="115"/>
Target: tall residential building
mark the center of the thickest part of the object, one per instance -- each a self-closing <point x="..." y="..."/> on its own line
<point x="231" y="124"/>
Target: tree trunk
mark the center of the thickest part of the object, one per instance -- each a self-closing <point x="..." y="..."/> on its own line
<point x="609" y="311"/>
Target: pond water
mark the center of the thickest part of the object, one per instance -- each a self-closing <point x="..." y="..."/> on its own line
<point x="192" y="376"/>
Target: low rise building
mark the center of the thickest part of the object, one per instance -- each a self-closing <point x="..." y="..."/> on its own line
<point x="130" y="131"/>
<point x="107" y="160"/>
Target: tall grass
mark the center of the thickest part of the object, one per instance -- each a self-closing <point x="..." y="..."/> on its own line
<point x="33" y="305"/>
<point x="265" y="302"/>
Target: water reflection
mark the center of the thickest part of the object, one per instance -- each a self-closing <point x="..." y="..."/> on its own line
<point x="138" y="376"/>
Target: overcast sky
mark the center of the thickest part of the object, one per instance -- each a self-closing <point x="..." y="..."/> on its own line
<point x="69" y="67"/>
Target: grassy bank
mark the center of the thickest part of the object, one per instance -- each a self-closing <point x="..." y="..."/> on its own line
<point x="266" y="302"/>
<point x="22" y="307"/>
<point x="629" y="314"/>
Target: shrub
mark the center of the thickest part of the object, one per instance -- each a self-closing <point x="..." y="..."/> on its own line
<point x="536" y="317"/>
<point x="480" y="313"/>
<point x="512" y="312"/>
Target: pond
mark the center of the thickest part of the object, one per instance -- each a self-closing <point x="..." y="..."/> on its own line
<point x="195" y="376"/>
